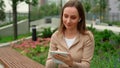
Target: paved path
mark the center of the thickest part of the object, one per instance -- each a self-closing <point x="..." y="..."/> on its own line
<point x="115" y="29"/>
<point x="41" y="24"/>
<point x="55" y="23"/>
<point x="112" y="28"/>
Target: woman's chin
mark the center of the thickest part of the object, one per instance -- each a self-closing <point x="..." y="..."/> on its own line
<point x="69" y="28"/>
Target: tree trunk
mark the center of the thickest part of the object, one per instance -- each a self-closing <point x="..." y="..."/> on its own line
<point x="29" y="20"/>
<point x="60" y="4"/>
<point x="14" y="8"/>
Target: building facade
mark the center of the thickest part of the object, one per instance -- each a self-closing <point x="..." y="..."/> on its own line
<point x="114" y="10"/>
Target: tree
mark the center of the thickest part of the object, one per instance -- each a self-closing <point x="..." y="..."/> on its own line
<point x="99" y="7"/>
<point x="87" y="6"/>
<point x="34" y="3"/>
<point x="103" y="6"/>
<point x="2" y="5"/>
<point x="14" y="8"/>
<point x="53" y="10"/>
<point x="2" y="13"/>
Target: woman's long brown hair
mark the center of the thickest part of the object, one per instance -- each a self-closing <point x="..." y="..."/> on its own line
<point x="81" y="27"/>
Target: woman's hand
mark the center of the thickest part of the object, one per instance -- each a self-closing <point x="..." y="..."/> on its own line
<point x="66" y="59"/>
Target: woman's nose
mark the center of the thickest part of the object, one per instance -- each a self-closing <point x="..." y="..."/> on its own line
<point x="68" y="20"/>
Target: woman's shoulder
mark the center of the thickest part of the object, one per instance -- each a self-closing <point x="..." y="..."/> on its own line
<point x="89" y="34"/>
<point x="56" y="34"/>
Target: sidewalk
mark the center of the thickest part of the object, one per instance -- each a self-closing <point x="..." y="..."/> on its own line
<point x="55" y="23"/>
<point x="103" y="26"/>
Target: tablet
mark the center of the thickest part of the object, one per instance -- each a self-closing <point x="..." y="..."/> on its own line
<point x="58" y="52"/>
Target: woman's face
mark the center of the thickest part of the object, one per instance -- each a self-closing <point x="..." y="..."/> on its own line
<point x="70" y="18"/>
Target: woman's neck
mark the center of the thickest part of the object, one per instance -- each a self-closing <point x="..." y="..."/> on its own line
<point x="70" y="33"/>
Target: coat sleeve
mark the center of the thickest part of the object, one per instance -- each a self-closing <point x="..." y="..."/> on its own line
<point x="87" y="55"/>
<point x="49" y="62"/>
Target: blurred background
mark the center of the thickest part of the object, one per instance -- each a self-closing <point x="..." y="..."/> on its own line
<point x="17" y="18"/>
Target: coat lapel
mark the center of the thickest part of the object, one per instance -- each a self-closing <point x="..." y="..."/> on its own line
<point x="62" y="43"/>
<point x="76" y="40"/>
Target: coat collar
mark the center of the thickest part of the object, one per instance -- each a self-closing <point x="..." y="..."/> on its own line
<point x="63" y="43"/>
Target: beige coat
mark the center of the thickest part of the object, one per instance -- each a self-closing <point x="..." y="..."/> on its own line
<point x="81" y="51"/>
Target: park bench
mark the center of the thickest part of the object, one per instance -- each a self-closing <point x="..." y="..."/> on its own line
<point x="13" y="59"/>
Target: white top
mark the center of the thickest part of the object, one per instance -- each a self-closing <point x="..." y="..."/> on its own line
<point x="69" y="41"/>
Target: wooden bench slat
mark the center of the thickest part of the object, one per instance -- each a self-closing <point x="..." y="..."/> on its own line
<point x="13" y="59"/>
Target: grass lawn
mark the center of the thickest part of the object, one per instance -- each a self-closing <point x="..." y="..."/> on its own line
<point x="4" y="39"/>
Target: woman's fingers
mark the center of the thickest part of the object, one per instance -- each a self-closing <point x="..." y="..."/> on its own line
<point x="58" y="56"/>
<point x="66" y="59"/>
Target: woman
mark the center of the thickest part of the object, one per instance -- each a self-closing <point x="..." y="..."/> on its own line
<point x="72" y="37"/>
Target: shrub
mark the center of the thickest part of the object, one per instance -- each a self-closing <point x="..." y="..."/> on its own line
<point x="47" y="32"/>
<point x="38" y="54"/>
<point x="106" y="34"/>
<point x="106" y="60"/>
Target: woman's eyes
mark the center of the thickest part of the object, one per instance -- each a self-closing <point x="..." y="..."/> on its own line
<point x="72" y="17"/>
<point x="65" y="16"/>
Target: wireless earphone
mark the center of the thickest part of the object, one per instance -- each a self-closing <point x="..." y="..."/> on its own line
<point x="79" y="19"/>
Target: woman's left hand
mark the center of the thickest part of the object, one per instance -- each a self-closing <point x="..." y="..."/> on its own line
<point x="66" y="59"/>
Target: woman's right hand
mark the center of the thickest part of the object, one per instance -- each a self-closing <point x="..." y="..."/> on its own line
<point x="66" y="59"/>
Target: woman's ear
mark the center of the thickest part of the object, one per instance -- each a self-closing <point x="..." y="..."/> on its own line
<point x="79" y="20"/>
